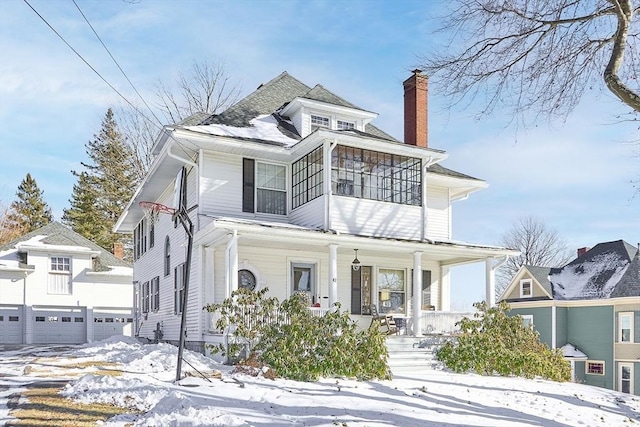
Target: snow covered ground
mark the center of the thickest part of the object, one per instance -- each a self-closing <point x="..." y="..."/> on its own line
<point x="429" y="398"/>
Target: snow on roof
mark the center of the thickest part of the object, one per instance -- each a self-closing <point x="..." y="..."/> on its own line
<point x="594" y="278"/>
<point x="263" y="127"/>
<point x="571" y="351"/>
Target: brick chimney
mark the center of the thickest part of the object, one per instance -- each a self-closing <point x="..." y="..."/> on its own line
<point x="582" y="251"/>
<point x="415" y="109"/>
<point x="118" y="250"/>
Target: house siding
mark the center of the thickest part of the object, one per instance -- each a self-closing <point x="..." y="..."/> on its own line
<point x="220" y="185"/>
<point x="541" y="321"/>
<point x="590" y="328"/>
<point x="438" y="213"/>
<point x="311" y="214"/>
<point x="372" y="218"/>
<point x="561" y="326"/>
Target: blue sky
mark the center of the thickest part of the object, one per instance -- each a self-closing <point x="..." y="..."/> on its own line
<point x="574" y="176"/>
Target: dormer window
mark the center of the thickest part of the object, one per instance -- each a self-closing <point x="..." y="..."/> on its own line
<point x="342" y="125"/>
<point x="526" y="290"/>
<point x="319" y="121"/>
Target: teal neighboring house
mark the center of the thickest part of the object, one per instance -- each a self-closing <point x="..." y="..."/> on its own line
<point x="590" y="308"/>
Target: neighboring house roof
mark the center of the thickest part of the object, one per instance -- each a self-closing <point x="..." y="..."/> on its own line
<point x="541" y="274"/>
<point x="570" y="351"/>
<point x="598" y="273"/>
<point x="57" y="234"/>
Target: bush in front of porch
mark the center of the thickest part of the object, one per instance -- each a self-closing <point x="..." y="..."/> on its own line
<point x="289" y="339"/>
<point x="495" y="343"/>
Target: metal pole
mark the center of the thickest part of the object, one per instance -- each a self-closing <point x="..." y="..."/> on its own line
<point x="183" y="215"/>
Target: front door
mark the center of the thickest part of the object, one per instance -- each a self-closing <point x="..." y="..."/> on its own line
<point x="625" y="377"/>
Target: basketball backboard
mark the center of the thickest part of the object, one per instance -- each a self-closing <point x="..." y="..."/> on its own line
<point x="180" y="190"/>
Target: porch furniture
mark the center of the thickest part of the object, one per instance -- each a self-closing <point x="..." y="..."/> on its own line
<point x="384" y="320"/>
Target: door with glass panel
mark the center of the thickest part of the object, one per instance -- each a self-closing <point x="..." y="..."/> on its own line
<point x="303" y="279"/>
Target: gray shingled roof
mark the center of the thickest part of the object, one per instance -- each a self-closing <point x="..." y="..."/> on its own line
<point x="598" y="273"/>
<point x="629" y="284"/>
<point x="319" y="93"/>
<point x="441" y="170"/>
<point x="541" y="274"/>
<point x="58" y="234"/>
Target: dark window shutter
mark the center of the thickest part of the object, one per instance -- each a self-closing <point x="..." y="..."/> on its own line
<point x="248" y="185"/>
<point x="356" y="295"/>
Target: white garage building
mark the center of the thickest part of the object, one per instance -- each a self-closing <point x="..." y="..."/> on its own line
<point x="56" y="287"/>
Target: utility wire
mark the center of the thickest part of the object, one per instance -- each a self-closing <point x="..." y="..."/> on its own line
<point x="162" y="129"/>
<point x="116" y="62"/>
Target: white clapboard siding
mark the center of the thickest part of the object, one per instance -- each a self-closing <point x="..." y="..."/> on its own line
<point x="221" y="185"/>
<point x="311" y="214"/>
<point x="438" y="213"/>
<point x="373" y="218"/>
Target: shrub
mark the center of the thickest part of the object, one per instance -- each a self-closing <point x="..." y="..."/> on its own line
<point x="297" y="345"/>
<point x="494" y="343"/>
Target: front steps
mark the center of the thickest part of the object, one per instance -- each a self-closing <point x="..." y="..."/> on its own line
<point x="410" y="354"/>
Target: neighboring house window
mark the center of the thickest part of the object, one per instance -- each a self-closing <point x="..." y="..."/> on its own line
<point x="625" y="327"/>
<point x="625" y="376"/>
<point x="594" y="367"/>
<point x="145" y="297"/>
<point x="303" y="279"/>
<point x="167" y="256"/>
<point x="342" y="125"/>
<point x="306" y="178"/>
<point x="391" y="291"/>
<point x="361" y="290"/>
<point x="178" y="288"/>
<point x="526" y="290"/>
<point x="155" y="294"/>
<point x="60" y="276"/>
<point x="264" y="187"/>
<point x="319" y="121"/>
<point x="374" y="175"/>
<point x="527" y="320"/>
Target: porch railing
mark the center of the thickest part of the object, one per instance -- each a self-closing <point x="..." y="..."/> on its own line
<point x="213" y="317"/>
<point x="441" y="322"/>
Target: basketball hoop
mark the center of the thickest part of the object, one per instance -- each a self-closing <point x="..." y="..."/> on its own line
<point x="152" y="210"/>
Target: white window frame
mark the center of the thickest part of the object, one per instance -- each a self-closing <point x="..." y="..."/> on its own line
<point x="594" y="362"/>
<point x="382" y="306"/>
<point x="622" y="315"/>
<point x="178" y="287"/>
<point x="59" y="280"/>
<point x="146" y="296"/>
<point x="320" y="121"/>
<point x="622" y="365"/>
<point x="525" y="282"/>
<point x="273" y="179"/>
<point x="527" y="320"/>
<point x="345" y="125"/>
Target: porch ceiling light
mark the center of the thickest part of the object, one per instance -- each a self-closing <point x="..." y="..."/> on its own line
<point x="355" y="264"/>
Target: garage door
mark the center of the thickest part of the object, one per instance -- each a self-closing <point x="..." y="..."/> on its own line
<point x="11" y="324"/>
<point x="109" y="322"/>
<point x="59" y="325"/>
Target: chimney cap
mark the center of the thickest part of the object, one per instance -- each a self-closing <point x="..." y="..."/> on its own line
<point x="417" y="71"/>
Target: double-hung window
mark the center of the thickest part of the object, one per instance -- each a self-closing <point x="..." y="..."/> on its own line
<point x="59" y="276"/>
<point x="264" y="187"/>
<point x="526" y="290"/>
<point x="625" y="327"/>
<point x="391" y="291"/>
<point x="145" y="297"/>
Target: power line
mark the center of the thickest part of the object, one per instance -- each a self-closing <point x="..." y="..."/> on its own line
<point x="116" y="62"/>
<point x="162" y="129"/>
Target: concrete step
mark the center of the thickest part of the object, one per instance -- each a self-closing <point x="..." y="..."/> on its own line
<point x="407" y="353"/>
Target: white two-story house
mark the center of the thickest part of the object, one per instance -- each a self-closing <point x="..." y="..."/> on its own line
<point x="286" y="190"/>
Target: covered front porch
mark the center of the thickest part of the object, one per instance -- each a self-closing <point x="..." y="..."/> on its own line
<point x="406" y="279"/>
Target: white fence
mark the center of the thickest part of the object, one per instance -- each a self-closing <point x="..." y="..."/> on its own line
<point x="442" y="322"/>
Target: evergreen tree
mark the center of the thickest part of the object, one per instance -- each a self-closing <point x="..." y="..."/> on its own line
<point x="29" y="211"/>
<point x="83" y="216"/>
<point x="105" y="188"/>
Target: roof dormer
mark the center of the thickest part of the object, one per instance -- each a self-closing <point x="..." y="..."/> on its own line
<point x="309" y="114"/>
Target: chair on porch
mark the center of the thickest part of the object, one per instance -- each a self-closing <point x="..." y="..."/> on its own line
<point x="384" y="320"/>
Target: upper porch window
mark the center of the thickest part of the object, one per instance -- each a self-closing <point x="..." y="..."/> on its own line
<point x="373" y="175"/>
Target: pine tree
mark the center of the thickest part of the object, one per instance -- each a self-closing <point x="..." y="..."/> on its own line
<point x="29" y="211"/>
<point x="105" y="188"/>
<point x="83" y="216"/>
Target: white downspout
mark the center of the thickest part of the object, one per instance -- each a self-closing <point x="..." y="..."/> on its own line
<point x="231" y="261"/>
<point x="490" y="286"/>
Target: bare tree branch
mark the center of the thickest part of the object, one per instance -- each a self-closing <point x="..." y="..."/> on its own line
<point x="537" y="56"/>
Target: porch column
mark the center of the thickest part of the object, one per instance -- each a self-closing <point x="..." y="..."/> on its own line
<point x="490" y="285"/>
<point x="333" y="275"/>
<point x="417" y="293"/>
<point x="232" y="264"/>
<point x="445" y="289"/>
